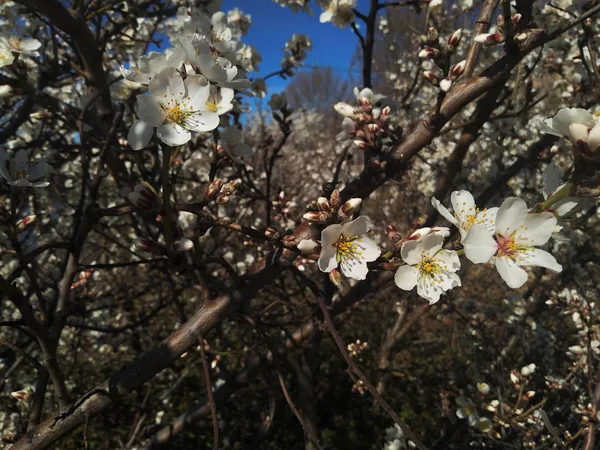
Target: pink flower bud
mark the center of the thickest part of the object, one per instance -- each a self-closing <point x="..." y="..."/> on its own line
<point x="490" y="39"/>
<point x="223" y="199"/>
<point x="385" y="113"/>
<point x="373" y="128"/>
<point x="349" y="208"/>
<point x="454" y="39"/>
<point x="150" y="246"/>
<point x="429" y="53"/>
<point x="323" y="204"/>
<point x="458" y="69"/>
<point x="335" y="200"/>
<point x="25" y="222"/>
<point x="516" y="18"/>
<point x="314" y="216"/>
<point x="145" y="197"/>
<point x="271" y="233"/>
<point x="336" y="277"/>
<point x="212" y="190"/>
<point x="431" y="77"/>
<point x="360" y="144"/>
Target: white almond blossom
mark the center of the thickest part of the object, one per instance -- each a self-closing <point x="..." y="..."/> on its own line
<point x="347" y="247"/>
<point x="339" y="12"/>
<point x="512" y="244"/>
<point x="551" y="177"/>
<point x="18" y="171"/>
<point x="232" y="140"/>
<point x="152" y="64"/>
<point x="6" y="56"/>
<point x="428" y="267"/>
<point x="575" y="124"/>
<point x="466" y="213"/>
<point x="219" y="100"/>
<point x="24" y="46"/>
<point x="174" y="107"/>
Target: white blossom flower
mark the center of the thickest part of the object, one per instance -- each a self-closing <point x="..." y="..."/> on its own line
<point x="347" y="247"/>
<point x="219" y="100"/>
<point x="512" y="244"/>
<point x="174" y="107"/>
<point x="338" y="12"/>
<point x="232" y="141"/>
<point x="467" y="411"/>
<point x="16" y="44"/>
<point x="428" y="267"/>
<point x="576" y="125"/>
<point x="551" y="177"/>
<point x="6" y="56"/>
<point x="18" y="171"/>
<point x="148" y="66"/>
<point x="466" y="213"/>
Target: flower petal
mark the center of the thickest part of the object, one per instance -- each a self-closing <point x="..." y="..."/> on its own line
<point x="479" y="245"/>
<point x="198" y="90"/>
<point x="511" y="272"/>
<point x="173" y="135"/>
<point x="406" y="277"/>
<point x="202" y="121"/>
<point x="446" y="214"/>
<point x="537" y="228"/>
<point x="411" y="252"/>
<point x="511" y="215"/>
<point x="432" y="243"/>
<point x="140" y="134"/>
<point x="541" y="258"/>
<point x="148" y="109"/>
<point x="359" y="226"/>
<point x="463" y="204"/>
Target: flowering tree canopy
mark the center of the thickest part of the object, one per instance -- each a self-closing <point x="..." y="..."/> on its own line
<point x="185" y="255"/>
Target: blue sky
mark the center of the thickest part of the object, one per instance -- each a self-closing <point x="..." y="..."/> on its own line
<point x="273" y="25"/>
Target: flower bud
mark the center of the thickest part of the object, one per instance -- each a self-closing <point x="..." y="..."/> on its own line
<point x="490" y="39"/>
<point x="323" y="204"/>
<point x="385" y="113"/>
<point x="373" y="128"/>
<point x="483" y="388"/>
<point x="429" y="53"/>
<point x="454" y="39"/>
<point x="431" y="77"/>
<point x="315" y="217"/>
<point x="182" y="245"/>
<point x="25" y="223"/>
<point x="212" y="190"/>
<point x="223" y="199"/>
<point x="150" y="246"/>
<point x="458" y="69"/>
<point x="578" y="134"/>
<point x="145" y="197"/>
<point x="336" y="277"/>
<point x="349" y="208"/>
<point x="230" y="188"/>
<point x="23" y="394"/>
<point x="433" y="35"/>
<point x="271" y="233"/>
<point x="335" y="200"/>
<point x="446" y="84"/>
<point x="516" y="18"/>
<point x="360" y="144"/>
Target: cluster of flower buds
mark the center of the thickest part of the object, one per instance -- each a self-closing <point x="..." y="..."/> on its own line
<point x="327" y="211"/>
<point x="295" y="52"/>
<point x="499" y="36"/>
<point x="359" y="387"/>
<point x="145" y="198"/>
<point x="517" y="378"/>
<point x="440" y="55"/>
<point x="282" y="206"/>
<point x="217" y="191"/>
<point x="355" y="348"/>
<point x="83" y="278"/>
<point x="367" y="123"/>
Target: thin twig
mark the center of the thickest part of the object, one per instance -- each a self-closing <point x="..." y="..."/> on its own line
<point x="209" y="391"/>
